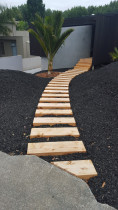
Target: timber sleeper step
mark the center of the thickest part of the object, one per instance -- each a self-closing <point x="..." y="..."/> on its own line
<point x="83" y="169"/>
<point x="55" y="85"/>
<point x="56" y="91"/>
<point x="54" y="100"/>
<point x="55" y="112"/>
<point x="54" y="105"/>
<point x="51" y="95"/>
<point x="54" y="120"/>
<point x="54" y="132"/>
<point x="55" y="148"/>
<point x="56" y="88"/>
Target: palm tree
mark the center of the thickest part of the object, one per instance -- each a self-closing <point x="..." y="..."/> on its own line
<point x="48" y="34"/>
<point x="5" y="17"/>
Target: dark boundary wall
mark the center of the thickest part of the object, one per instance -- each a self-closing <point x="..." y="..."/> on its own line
<point x="106" y="38"/>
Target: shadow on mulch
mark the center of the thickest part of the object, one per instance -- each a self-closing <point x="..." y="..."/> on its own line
<point x="94" y="101"/>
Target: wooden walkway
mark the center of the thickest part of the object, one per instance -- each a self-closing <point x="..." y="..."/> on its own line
<point x="54" y="109"/>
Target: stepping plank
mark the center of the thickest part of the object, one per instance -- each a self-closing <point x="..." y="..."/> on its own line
<point x="54" y="132"/>
<point x="54" y="100"/>
<point x="54" y="106"/>
<point x="60" y="82"/>
<point x="56" y="112"/>
<point x="55" y="148"/>
<point x="55" y="91"/>
<point x="53" y="120"/>
<point x="65" y="77"/>
<point x="56" y="88"/>
<point x="83" y="169"/>
<point x="46" y="95"/>
<point x="57" y="85"/>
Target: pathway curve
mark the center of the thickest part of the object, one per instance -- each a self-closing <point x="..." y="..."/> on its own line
<point x="54" y="108"/>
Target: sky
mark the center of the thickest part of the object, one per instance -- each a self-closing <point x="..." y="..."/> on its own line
<point x="59" y="4"/>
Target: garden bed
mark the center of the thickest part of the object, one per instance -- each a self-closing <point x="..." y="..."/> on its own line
<point x="94" y="101"/>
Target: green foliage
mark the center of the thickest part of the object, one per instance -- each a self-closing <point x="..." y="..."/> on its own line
<point x="75" y="12"/>
<point x="48" y="34"/>
<point x="22" y="26"/>
<point x="48" y="12"/>
<point x="114" y="54"/>
<point x="5" y="17"/>
<point x="80" y="11"/>
<point x="35" y="6"/>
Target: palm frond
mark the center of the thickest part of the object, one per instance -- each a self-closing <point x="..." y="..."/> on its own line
<point x="42" y="43"/>
<point x="61" y="40"/>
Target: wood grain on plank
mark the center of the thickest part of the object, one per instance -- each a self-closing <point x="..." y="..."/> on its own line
<point x="49" y="95"/>
<point x="83" y="169"/>
<point x="56" y="88"/>
<point x="56" y="91"/>
<point x="54" y="132"/>
<point x="54" y="100"/>
<point x="55" y="112"/>
<point x="53" y="120"/>
<point x="54" y="105"/>
<point x="55" y="148"/>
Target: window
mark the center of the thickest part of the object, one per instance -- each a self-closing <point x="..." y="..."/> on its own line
<point x="2" y="50"/>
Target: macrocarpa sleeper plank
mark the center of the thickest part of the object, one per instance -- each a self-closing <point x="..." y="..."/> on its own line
<point x="54" y="132"/>
<point x="56" y="91"/>
<point x="56" y="88"/>
<point x="55" y="148"/>
<point x="55" y="112"/>
<point x="54" y="120"/>
<point x="49" y="95"/>
<point x="83" y="169"/>
<point x="54" y="105"/>
<point x="54" y="100"/>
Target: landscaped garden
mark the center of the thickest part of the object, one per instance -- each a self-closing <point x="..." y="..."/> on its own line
<point x="94" y="101"/>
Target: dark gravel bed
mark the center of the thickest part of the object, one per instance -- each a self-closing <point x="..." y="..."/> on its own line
<point x="94" y="101"/>
<point x="19" y="96"/>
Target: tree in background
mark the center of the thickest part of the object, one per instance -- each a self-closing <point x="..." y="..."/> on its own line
<point x="22" y="25"/>
<point x="75" y="12"/>
<point x="35" y="6"/>
<point x="5" y="17"/>
<point x="48" y="34"/>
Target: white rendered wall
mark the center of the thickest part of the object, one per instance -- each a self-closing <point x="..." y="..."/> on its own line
<point x="31" y="63"/>
<point x="76" y="46"/>
<point x="11" y="63"/>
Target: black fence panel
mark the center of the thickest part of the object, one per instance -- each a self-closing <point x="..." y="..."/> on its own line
<point x="106" y="38"/>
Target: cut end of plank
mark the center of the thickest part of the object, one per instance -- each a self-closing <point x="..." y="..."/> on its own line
<point x="83" y="169"/>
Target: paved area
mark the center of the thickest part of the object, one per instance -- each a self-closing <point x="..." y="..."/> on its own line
<point x="30" y="183"/>
<point x="33" y="71"/>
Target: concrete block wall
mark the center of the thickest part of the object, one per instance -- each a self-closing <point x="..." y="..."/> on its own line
<point x="76" y="46"/>
<point x="11" y="63"/>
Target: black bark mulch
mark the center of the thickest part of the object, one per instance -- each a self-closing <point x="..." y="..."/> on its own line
<point x="19" y="96"/>
<point x="94" y="101"/>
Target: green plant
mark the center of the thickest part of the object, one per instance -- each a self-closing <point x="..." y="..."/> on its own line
<point x="48" y="33"/>
<point x="114" y="54"/>
<point x="5" y="17"/>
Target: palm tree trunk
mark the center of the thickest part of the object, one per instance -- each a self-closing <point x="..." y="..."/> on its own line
<point x="50" y="65"/>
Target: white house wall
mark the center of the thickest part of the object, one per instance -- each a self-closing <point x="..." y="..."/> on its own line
<point x="76" y="46"/>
